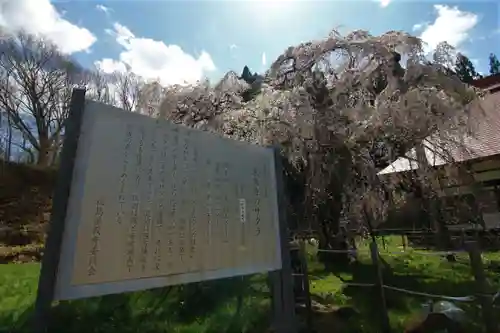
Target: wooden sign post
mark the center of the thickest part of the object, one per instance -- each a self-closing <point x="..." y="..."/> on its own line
<point x="50" y="260"/>
<point x="143" y="203"/>
<point x="283" y="300"/>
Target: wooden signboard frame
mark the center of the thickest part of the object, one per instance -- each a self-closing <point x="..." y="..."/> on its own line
<point x="281" y="279"/>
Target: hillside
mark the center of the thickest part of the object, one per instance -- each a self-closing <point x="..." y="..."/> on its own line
<point x="25" y="202"/>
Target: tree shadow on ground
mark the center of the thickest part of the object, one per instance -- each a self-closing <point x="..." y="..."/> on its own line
<point x="488" y="240"/>
<point x="207" y="307"/>
<point x="400" y="274"/>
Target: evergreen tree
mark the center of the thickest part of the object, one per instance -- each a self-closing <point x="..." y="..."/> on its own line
<point x="494" y="64"/>
<point x="465" y="69"/>
<point x="247" y="75"/>
<point x="255" y="82"/>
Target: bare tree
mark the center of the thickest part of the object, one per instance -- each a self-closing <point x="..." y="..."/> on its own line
<point x="99" y="86"/>
<point x="8" y="140"/>
<point x="150" y="97"/>
<point x="120" y="89"/>
<point x="35" y="89"/>
<point x="127" y="87"/>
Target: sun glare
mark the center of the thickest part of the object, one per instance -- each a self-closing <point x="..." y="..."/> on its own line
<point x="272" y="7"/>
<point x="271" y="4"/>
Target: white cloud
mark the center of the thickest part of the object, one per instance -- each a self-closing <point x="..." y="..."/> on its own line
<point x="419" y="26"/>
<point x="264" y="59"/>
<point x="233" y="46"/>
<point x="451" y="25"/>
<point x="153" y="59"/>
<point x="104" y="9"/>
<point x="39" y="17"/>
<point x="383" y="3"/>
<point x="108" y="65"/>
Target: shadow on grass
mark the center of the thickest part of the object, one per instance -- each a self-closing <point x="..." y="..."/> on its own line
<point x="488" y="240"/>
<point x="222" y="306"/>
<point x="403" y="272"/>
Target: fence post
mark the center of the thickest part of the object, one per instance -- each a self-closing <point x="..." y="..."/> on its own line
<point x="403" y="241"/>
<point x="482" y="286"/>
<point x="462" y="237"/>
<point x="386" y="326"/>
<point x="354" y="247"/>
<point x="305" y="281"/>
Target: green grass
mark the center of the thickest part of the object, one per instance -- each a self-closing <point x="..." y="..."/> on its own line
<point x="210" y="307"/>
<point x="412" y="270"/>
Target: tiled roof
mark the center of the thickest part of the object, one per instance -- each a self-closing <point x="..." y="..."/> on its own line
<point x="487" y="82"/>
<point x="484" y="140"/>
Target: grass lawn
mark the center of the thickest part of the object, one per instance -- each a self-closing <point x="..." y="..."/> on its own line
<point x="208" y="308"/>
<point x="211" y="306"/>
<point x="415" y="270"/>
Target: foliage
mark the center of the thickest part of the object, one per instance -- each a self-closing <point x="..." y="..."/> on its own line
<point x="494" y="64"/>
<point x="339" y="108"/>
<point x="247" y="75"/>
<point x="465" y="69"/>
<point x="416" y="270"/>
<point x="164" y="309"/>
<point x="213" y="310"/>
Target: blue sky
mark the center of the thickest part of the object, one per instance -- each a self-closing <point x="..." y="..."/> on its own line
<point x="179" y="41"/>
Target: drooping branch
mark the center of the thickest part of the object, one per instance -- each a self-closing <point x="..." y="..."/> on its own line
<point x="341" y="108"/>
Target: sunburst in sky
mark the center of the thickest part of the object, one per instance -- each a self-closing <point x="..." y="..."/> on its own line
<point x="189" y="40"/>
